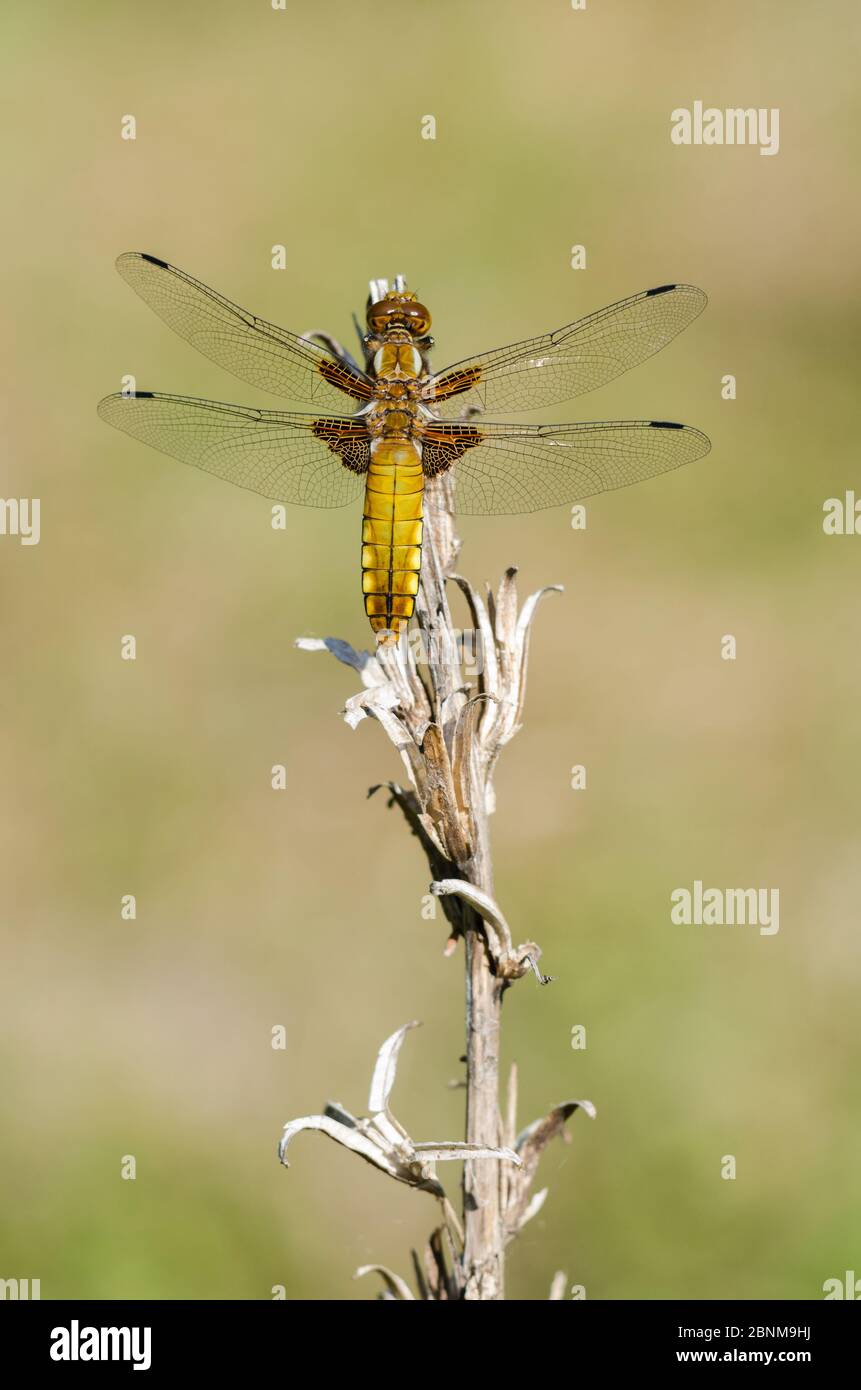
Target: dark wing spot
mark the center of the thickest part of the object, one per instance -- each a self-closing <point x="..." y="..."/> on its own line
<point x="154" y="260"/>
<point x="660" y="289"/>
<point x="140" y="396"/>
<point x="665" y="425"/>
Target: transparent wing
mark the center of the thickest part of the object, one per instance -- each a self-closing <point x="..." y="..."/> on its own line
<point x="543" y="371"/>
<point x="307" y="460"/>
<point x="249" y="347"/>
<point x="523" y="468"/>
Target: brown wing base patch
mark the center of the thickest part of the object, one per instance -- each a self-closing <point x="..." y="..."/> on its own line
<point x="349" y="441"/>
<point x="336" y="374"/>
<point x="443" y="445"/>
<point x="452" y="384"/>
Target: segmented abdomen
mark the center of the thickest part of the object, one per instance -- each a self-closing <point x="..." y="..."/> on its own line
<point x="392" y="534"/>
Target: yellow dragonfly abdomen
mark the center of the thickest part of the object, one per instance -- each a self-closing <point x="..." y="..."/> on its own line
<point x="392" y="535"/>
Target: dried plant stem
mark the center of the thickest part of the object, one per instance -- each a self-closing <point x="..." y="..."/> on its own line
<point x="483" y="1255"/>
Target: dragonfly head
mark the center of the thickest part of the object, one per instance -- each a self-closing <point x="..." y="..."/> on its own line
<point x="398" y="310"/>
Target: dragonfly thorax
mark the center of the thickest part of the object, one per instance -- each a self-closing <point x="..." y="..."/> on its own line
<point x="397" y="361"/>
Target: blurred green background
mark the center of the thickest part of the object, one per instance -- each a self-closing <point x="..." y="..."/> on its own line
<point x="302" y="908"/>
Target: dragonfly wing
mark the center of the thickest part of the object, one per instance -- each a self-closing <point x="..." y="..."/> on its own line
<point x="307" y="460"/>
<point x="249" y="347"/>
<point x="524" y="468"/>
<point x="540" y="372"/>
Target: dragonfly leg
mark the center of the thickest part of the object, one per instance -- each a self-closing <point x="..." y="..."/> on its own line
<point x="332" y="345"/>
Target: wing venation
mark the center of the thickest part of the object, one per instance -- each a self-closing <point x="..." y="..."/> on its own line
<point x="252" y="349"/>
<point x="510" y="469"/>
<point x="306" y="460"/>
<point x="571" y="361"/>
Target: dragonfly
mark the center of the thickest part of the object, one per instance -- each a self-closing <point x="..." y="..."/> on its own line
<point x="399" y="423"/>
